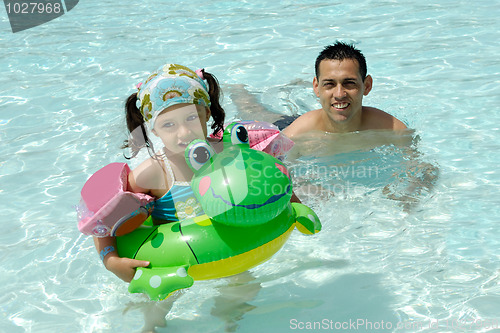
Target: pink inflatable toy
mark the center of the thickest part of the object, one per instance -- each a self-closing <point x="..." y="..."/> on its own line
<point x="266" y="137"/>
<point x="107" y="208"/>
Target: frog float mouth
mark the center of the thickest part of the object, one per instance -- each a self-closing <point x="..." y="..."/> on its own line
<point x="205" y="185"/>
<point x="270" y="200"/>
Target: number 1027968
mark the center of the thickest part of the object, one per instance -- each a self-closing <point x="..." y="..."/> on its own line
<point x="34" y="8"/>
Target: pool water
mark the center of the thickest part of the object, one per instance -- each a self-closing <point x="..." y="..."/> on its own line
<point x="410" y="239"/>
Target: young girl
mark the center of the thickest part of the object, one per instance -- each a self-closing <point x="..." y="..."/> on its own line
<point x="174" y="103"/>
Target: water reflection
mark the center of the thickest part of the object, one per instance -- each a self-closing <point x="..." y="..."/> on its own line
<point x="355" y="164"/>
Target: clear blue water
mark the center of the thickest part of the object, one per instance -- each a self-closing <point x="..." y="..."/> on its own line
<point x="430" y="267"/>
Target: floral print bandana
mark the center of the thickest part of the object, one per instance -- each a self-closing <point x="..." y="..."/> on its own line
<point x="169" y="85"/>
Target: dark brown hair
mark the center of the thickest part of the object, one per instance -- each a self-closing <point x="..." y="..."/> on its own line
<point x="341" y="51"/>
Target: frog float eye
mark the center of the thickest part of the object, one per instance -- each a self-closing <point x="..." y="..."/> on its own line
<point x="198" y="153"/>
<point x="239" y="135"/>
<point x="235" y="134"/>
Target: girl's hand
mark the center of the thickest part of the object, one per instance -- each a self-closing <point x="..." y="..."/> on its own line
<point x="124" y="268"/>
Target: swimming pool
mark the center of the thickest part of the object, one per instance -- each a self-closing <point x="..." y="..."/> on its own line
<point x="376" y="266"/>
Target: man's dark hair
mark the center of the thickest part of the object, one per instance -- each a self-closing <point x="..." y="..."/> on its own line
<point x="341" y="51"/>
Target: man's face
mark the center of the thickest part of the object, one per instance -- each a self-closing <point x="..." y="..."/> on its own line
<point x="340" y="89"/>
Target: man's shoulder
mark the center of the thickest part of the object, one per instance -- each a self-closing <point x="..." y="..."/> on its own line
<point x="307" y="122"/>
<point x="374" y="118"/>
<point x="311" y="115"/>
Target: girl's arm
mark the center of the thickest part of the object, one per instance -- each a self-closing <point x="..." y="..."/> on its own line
<point x="124" y="268"/>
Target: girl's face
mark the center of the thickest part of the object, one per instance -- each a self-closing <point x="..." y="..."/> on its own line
<point x="180" y="124"/>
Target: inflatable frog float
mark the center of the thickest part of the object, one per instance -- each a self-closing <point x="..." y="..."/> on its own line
<point x="245" y="195"/>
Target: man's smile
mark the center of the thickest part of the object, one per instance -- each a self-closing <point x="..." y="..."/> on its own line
<point x="340" y="106"/>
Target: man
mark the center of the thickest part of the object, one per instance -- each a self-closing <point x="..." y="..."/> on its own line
<point x="340" y="83"/>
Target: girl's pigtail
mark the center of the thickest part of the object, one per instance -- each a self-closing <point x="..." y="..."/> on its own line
<point x="135" y="124"/>
<point x="215" y="93"/>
